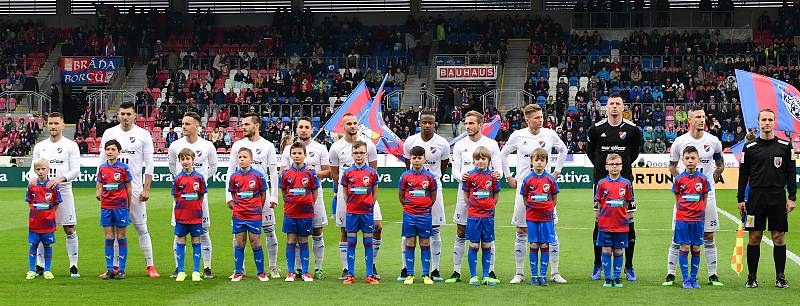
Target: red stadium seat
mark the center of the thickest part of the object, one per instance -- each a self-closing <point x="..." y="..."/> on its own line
<point x="12" y="104"/>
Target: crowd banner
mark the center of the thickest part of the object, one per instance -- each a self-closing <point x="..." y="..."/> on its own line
<point x="89" y="69"/>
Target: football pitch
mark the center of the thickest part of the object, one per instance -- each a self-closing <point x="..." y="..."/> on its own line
<point x="574" y="230"/>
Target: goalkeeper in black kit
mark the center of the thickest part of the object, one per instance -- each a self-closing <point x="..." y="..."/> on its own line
<point x="614" y="135"/>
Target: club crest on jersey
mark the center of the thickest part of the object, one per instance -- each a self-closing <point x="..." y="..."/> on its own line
<point x="198" y="153"/>
<point x="304" y="181"/>
<point x="48" y="196"/>
<point x="365" y="180"/>
<point x="541" y="143"/>
<point x="546" y="187"/>
<point x="706" y="148"/>
<point x="434" y="149"/>
<point x="424" y="184"/>
<point x="258" y="151"/>
<point x="488" y="184"/>
<point x="698" y="187"/>
<point x="196" y="185"/>
<point x="777" y="161"/>
<point x="59" y="150"/>
<point x="622" y="192"/>
<point x="252" y="184"/>
<point x="116" y="176"/>
<point x="622" y="135"/>
<point x="132" y="139"/>
<point x="311" y="154"/>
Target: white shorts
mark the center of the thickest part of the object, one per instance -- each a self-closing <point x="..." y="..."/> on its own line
<point x="320" y="213"/>
<point x="711" y="218"/>
<point x="341" y="209"/>
<point x="460" y="214"/>
<point x="437" y="211"/>
<point x="137" y="208"/>
<point x="65" y="212"/>
<point x="206" y="216"/>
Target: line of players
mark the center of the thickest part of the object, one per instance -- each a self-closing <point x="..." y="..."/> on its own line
<point x="136" y="151"/>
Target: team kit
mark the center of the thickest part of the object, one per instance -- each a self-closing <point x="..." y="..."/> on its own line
<point x="258" y="177"/>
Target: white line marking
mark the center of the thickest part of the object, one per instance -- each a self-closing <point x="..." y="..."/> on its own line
<point x="789" y="254"/>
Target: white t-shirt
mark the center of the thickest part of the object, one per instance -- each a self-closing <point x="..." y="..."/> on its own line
<point x="708" y="146"/>
<point x="316" y="156"/>
<point x="63" y="157"/>
<point x="205" y="156"/>
<point x="137" y="151"/>
<point x="264" y="160"/>
<point x="437" y="149"/>
<point x="341" y="155"/>
<point x="462" y="155"/>
<point x="524" y="142"/>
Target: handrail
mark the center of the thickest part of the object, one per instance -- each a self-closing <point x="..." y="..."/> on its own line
<point x="269" y="62"/>
<point x="428" y="99"/>
<point x="682" y="18"/>
<point x="20" y="96"/>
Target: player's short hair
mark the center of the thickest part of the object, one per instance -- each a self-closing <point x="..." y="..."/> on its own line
<point x="126" y="105"/>
<point x="614" y="96"/>
<point x="304" y="118"/>
<point x="482" y="152"/>
<point x="56" y="115"/>
<point x="613" y="156"/>
<point x="297" y="145"/>
<point x="41" y="162"/>
<point x="696" y="108"/>
<point x="539" y="154"/>
<point x="243" y="149"/>
<point x="427" y="113"/>
<point x="475" y="114"/>
<point x="766" y="110"/>
<point x="256" y="118"/>
<point x="689" y="150"/>
<point x="113" y="142"/>
<point x="359" y="144"/>
<point x="194" y="116"/>
<point x="531" y="108"/>
<point x="417" y="151"/>
<point x="347" y="114"/>
<point x="186" y="152"/>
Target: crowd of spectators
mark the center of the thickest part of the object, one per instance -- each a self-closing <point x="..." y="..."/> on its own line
<point x="19" y="135"/>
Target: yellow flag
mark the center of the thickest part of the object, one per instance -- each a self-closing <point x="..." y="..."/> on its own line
<point x="737" y="263"/>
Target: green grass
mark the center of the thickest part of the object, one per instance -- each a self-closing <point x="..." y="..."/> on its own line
<point x="574" y="228"/>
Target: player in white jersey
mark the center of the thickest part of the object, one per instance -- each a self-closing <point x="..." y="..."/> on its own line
<point x="317" y="158"/>
<point x="64" y="159"/>
<point x="264" y="159"/>
<point x="524" y="141"/>
<point x="437" y="157"/>
<point x="711" y="164"/>
<point x="205" y="163"/>
<point x="462" y="164"/>
<point x="137" y="152"/>
<point x="341" y="158"/>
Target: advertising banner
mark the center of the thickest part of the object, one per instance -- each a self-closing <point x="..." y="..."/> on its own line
<point x="466" y="73"/>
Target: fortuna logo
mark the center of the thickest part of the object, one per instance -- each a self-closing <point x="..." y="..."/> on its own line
<point x="132" y="139"/>
<point x="304" y="182"/>
<point x="59" y="150"/>
<point x="622" y="192"/>
<point x="196" y="185"/>
<point x="116" y="177"/>
<point x="706" y="148"/>
<point x="622" y="135"/>
<point x="365" y="180"/>
<point x="252" y="184"/>
<point x="541" y="143"/>
<point x="546" y="187"/>
<point x="48" y="196"/>
<point x="698" y="187"/>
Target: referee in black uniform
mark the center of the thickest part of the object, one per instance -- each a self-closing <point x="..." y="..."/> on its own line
<point x="768" y="166"/>
<point x="614" y="135"/>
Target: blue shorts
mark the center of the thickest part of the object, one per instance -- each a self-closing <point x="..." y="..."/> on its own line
<point x="195" y="230"/>
<point x="689" y="232"/>
<point x="541" y="232"/>
<point x="355" y="223"/>
<point x="46" y="238"/>
<point x="612" y="240"/>
<point x="417" y="225"/>
<point x="252" y="226"/>
<point x="480" y="229"/>
<point x="300" y="226"/>
<point x="118" y="217"/>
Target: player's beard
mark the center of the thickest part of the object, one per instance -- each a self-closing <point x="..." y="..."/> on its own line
<point x="303" y="139"/>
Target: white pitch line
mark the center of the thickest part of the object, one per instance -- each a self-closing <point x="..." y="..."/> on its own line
<point x="791" y="255"/>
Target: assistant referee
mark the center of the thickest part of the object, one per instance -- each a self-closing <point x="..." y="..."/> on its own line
<point x="614" y="135"/>
<point x="768" y="166"/>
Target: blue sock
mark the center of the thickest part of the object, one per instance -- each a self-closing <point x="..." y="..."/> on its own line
<point x="304" y="256"/>
<point x="197" y="255"/>
<point x="258" y="256"/>
<point x="695" y="264"/>
<point x="618" y="261"/>
<point x="32" y="249"/>
<point x="351" y="254"/>
<point x="683" y="261"/>
<point x="238" y="259"/>
<point x="486" y="257"/>
<point x="48" y="257"/>
<point x="606" y="260"/>
<point x="409" y="255"/>
<point x="180" y="254"/>
<point x="545" y="261"/>
<point x="534" y="260"/>
<point x="109" y="251"/>
<point x="123" y="253"/>
<point x="472" y="258"/>
<point x="425" y="253"/>
<point x="290" y="256"/>
<point x="369" y="258"/>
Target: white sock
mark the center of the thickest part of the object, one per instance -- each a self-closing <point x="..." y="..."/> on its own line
<point x="40" y="255"/>
<point x="297" y="263"/>
<point x="319" y="251"/>
<point x="711" y="256"/>
<point x="205" y="245"/>
<point x="144" y="243"/>
<point x="376" y="246"/>
<point x="343" y="254"/>
<point x="519" y="252"/>
<point x="116" y="253"/>
<point x="72" y="249"/>
<point x="491" y="266"/>
<point x="555" y="254"/>
<point x="436" y="248"/>
<point x="459" y="246"/>
<point x="175" y="249"/>
<point x="403" y="251"/>
<point x="672" y="258"/>
<point x="272" y="245"/>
